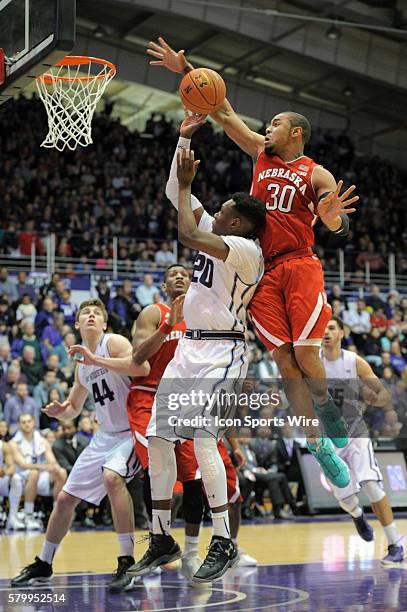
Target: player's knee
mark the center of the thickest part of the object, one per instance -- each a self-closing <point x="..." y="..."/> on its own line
<point x="372" y="490"/>
<point x="285" y="358"/>
<point x="61" y="475"/>
<point x="65" y="501"/>
<point x="112" y="480"/>
<point x="33" y="476"/>
<point x="193" y="501"/>
<point x="307" y="358"/>
<point x="16" y="483"/>
<point x="206" y="452"/>
<point x="160" y="454"/>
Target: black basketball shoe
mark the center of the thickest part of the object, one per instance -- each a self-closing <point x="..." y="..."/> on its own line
<point x="38" y="572"/>
<point x="222" y="555"/>
<point x="120" y="581"/>
<point x="162" y="549"/>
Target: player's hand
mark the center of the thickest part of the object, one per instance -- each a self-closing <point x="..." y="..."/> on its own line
<point x="55" y="408"/>
<point x="239" y="456"/>
<point x="333" y="205"/>
<point x="191" y="123"/>
<point x="177" y="311"/>
<point x="87" y="357"/>
<point x="186" y="167"/>
<point x="166" y="56"/>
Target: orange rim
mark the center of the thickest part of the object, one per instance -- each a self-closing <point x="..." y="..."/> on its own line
<point x="79" y="60"/>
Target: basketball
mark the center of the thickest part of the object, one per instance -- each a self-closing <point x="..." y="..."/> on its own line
<point x="202" y="90"/>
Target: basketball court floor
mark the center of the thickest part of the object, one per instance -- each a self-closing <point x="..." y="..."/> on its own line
<point x="315" y="565"/>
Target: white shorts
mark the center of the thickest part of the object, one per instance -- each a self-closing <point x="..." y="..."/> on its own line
<point x="359" y="456"/>
<point x="113" y="451"/>
<point x="4" y="486"/>
<point x="44" y="484"/>
<point x="200" y="369"/>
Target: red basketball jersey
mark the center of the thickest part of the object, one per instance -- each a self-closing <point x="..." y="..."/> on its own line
<point x="163" y="356"/>
<point x="286" y="189"/>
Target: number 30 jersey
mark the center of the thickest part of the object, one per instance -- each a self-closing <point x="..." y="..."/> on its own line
<point x="220" y="291"/>
<point x="286" y="190"/>
<point x="109" y="391"/>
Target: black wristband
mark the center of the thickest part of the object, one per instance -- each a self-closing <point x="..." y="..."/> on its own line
<point x="344" y="229"/>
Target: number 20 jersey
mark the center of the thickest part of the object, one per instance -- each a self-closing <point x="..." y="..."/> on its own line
<point x="109" y="391"/>
<point x="220" y="291"/>
<point x="287" y="191"/>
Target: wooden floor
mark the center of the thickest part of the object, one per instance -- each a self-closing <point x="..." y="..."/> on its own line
<point x="330" y="543"/>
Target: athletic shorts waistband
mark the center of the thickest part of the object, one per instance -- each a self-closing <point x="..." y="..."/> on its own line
<point x="201" y="334"/>
<point x="272" y="262"/>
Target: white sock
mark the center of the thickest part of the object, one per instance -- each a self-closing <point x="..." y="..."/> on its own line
<point x="162" y="521"/>
<point x="28" y="507"/>
<point x="220" y="522"/>
<point x="356" y="512"/>
<point x="391" y="533"/>
<point x="191" y="545"/>
<point x="126" y="544"/>
<point x="48" y="551"/>
<point x="16" y="490"/>
<point x="234" y="540"/>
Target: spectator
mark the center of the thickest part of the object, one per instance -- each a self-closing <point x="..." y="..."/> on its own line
<point x="8" y="385"/>
<point x="53" y="364"/>
<point x="359" y="323"/>
<point x="49" y="289"/>
<point x="103" y="291"/>
<point x="66" y="364"/>
<point x="373" y="348"/>
<point x="7" y="286"/>
<point x="28" y="237"/>
<point x="147" y="291"/>
<point x="68" y="307"/>
<point x="164" y="256"/>
<point x="85" y="429"/>
<point x="45" y="316"/>
<point x="7" y="316"/>
<point x="52" y="334"/>
<point x="69" y="446"/>
<point x="397" y="360"/>
<point x="379" y="320"/>
<point x="28" y="338"/>
<point x="4" y="431"/>
<point x="18" y="404"/>
<point x="42" y="390"/>
<point x="337" y="294"/>
<point x="375" y="300"/>
<point x="5" y="358"/>
<point x="26" y="309"/>
<point x="24" y="287"/>
<point x="32" y="369"/>
<point x="268" y="367"/>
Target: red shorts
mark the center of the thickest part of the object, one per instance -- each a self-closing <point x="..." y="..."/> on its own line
<point x="290" y="304"/>
<point x="139" y="404"/>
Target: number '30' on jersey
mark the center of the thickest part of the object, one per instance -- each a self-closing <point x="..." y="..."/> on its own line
<point x="220" y="291"/>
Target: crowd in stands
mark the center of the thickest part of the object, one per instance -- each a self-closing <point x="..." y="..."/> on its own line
<point x="117" y="188"/>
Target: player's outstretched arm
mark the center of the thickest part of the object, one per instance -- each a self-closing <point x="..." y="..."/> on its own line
<point x="151" y="331"/>
<point x="373" y="392"/>
<point x="121" y="360"/>
<point x="189" y="126"/>
<point x="250" y="142"/>
<point x="333" y="207"/>
<point x="188" y="232"/>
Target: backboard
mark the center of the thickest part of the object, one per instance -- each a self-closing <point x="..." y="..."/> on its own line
<point x="34" y="34"/>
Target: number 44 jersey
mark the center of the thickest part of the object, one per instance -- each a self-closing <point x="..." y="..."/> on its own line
<point x="109" y="391"/>
<point x="220" y="291"/>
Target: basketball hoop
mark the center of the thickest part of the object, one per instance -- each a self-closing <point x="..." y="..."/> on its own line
<point x="70" y="99"/>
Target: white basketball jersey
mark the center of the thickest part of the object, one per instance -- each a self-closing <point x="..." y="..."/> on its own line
<point x="32" y="450"/>
<point x="220" y="291"/>
<point x="109" y="391"/>
<point x="1" y="453"/>
<point x="346" y="394"/>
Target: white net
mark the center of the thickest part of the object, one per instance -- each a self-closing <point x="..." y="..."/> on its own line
<point x="70" y="93"/>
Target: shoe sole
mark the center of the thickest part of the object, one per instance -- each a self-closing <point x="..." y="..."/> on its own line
<point x="392" y="563"/>
<point x="231" y="564"/>
<point x="163" y="560"/>
<point x="30" y="583"/>
<point x="128" y="587"/>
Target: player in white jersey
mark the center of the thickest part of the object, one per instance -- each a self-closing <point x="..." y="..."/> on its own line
<point x="342" y="365"/>
<point x="210" y="357"/>
<point x="109" y="461"/>
<point x="6" y="474"/>
<point x="37" y="472"/>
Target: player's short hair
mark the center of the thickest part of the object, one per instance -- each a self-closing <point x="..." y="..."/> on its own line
<point x="93" y="302"/>
<point x="297" y="120"/>
<point x="251" y="209"/>
<point x="25" y="414"/>
<point x="338" y="321"/>
<point x="176" y="265"/>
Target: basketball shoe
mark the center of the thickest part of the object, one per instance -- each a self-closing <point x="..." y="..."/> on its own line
<point x="222" y="555"/>
<point x="363" y="528"/>
<point x="38" y="572"/>
<point x="395" y="554"/>
<point x="121" y="582"/>
<point x="333" y="467"/>
<point x="162" y="549"/>
<point x="334" y="424"/>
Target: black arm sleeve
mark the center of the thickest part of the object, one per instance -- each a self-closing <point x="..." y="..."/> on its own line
<point x="344" y="229"/>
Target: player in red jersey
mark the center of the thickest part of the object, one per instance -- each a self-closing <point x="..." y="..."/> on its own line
<point x="158" y="329"/>
<point x="289" y="309"/>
